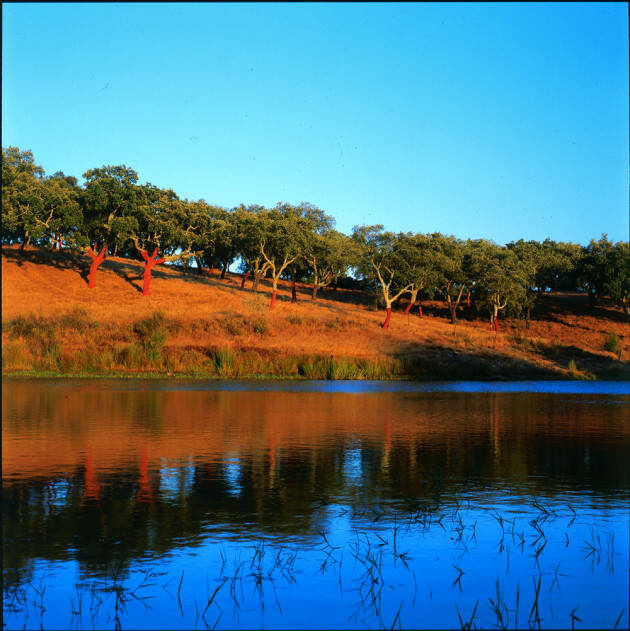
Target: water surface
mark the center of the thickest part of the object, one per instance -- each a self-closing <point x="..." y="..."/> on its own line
<point x="185" y="504"/>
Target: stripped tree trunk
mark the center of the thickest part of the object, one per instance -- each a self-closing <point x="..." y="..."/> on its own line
<point x="150" y="261"/>
<point x="293" y="292"/>
<point x="412" y="300"/>
<point x="97" y="259"/>
<point x="388" y="317"/>
<point x="245" y="277"/>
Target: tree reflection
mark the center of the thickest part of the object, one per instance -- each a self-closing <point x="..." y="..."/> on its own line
<point x="268" y="464"/>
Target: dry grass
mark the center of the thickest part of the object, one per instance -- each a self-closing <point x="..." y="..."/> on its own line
<point x="203" y="325"/>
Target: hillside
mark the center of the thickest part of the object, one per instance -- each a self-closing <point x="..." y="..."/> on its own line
<point x="205" y="326"/>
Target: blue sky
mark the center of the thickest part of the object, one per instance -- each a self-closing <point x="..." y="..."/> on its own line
<point x="479" y="120"/>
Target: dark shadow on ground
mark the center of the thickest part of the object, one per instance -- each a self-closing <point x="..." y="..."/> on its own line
<point x="553" y="306"/>
<point x="436" y="361"/>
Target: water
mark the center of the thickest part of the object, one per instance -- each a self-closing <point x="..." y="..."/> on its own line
<point x="187" y="504"/>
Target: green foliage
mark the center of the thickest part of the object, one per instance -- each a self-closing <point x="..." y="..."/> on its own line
<point x="152" y="335"/>
<point x="36" y="208"/>
<point x="224" y="360"/>
<point x="500" y="278"/>
<point x="612" y="344"/>
<point x="77" y="320"/>
<point x="260" y="326"/>
<point x="113" y="209"/>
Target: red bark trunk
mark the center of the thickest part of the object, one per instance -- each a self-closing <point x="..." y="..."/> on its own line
<point x="453" y="309"/>
<point x="273" y="299"/>
<point x="385" y="324"/>
<point x="293" y="293"/>
<point x="496" y="324"/>
<point x="97" y="259"/>
<point x="408" y="309"/>
<point x="420" y="310"/>
<point x="245" y="277"/>
<point x="150" y="261"/>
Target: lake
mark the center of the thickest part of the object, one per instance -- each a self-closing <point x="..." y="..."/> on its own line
<point x="267" y="504"/>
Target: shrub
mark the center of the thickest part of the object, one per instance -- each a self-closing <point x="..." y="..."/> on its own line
<point x="145" y="327"/>
<point x="612" y="343"/>
<point x="32" y="327"/>
<point x="152" y="334"/>
<point x="260" y="326"/>
<point x="77" y="320"/>
<point x="232" y="323"/>
<point x="223" y="360"/>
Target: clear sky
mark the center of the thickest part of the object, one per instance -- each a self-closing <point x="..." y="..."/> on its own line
<point x="479" y="120"/>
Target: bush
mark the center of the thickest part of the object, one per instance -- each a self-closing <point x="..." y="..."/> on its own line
<point x="612" y="343"/>
<point x="260" y="326"/>
<point x="223" y="360"/>
<point x="146" y="326"/>
<point x="32" y="327"/>
<point x="77" y="320"/>
<point x="233" y="323"/>
<point x="153" y="335"/>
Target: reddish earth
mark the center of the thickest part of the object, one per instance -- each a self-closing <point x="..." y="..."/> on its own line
<point x="340" y="323"/>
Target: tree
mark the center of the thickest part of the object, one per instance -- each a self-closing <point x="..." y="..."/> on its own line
<point x="110" y="207"/>
<point x="34" y="207"/>
<point x="329" y="256"/>
<point x="250" y="229"/>
<point x="451" y="279"/>
<point x="207" y="222"/>
<point x="499" y="278"/>
<point x="603" y="269"/>
<point x="284" y="237"/>
<point x="416" y="262"/>
<point x="381" y="258"/>
<point x="163" y="224"/>
<point x="618" y="275"/>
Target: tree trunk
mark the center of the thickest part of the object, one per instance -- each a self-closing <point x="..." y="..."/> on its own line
<point x="453" y="310"/>
<point x="527" y="314"/>
<point x="199" y="266"/>
<point x="412" y="301"/>
<point x="273" y="299"/>
<point x="314" y="295"/>
<point x="97" y="259"/>
<point x="245" y="277"/>
<point x="385" y="324"/>
<point x="225" y="266"/>
<point x="256" y="281"/>
<point x="420" y="310"/>
<point x="150" y="261"/>
<point x="293" y="292"/>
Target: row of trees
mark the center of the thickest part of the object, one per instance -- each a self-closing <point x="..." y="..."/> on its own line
<point x="112" y="213"/>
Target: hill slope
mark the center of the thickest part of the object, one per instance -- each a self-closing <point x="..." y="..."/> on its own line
<point x="205" y="326"/>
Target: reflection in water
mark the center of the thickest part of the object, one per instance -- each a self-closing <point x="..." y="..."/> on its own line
<point x="109" y="477"/>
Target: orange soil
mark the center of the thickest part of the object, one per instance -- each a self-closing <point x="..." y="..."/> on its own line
<point x="48" y="283"/>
